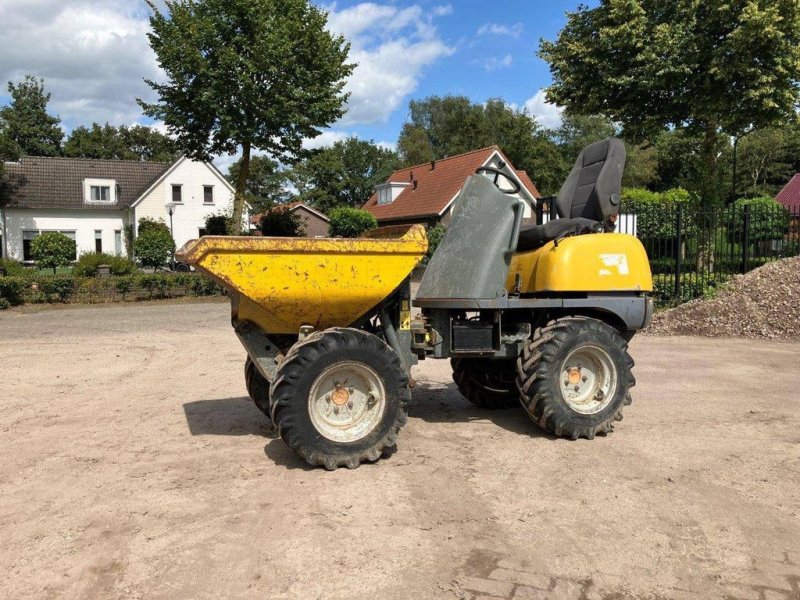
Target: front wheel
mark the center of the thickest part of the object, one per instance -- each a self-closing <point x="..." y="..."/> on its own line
<point x="574" y="377"/>
<point x="340" y="398"/>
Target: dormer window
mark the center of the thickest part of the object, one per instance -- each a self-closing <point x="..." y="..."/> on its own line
<point x="99" y="191"/>
<point x="388" y="192"/>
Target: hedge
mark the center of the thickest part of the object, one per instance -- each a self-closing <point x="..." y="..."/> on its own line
<point x="40" y="289"/>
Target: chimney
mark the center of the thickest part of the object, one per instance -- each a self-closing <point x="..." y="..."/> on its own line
<point x="433" y="165"/>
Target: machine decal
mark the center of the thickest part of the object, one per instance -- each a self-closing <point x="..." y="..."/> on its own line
<point x="617" y="261"/>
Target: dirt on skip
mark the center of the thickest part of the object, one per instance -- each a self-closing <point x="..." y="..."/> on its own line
<point x="132" y="465"/>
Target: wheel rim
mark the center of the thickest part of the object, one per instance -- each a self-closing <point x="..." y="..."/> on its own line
<point x="347" y="401"/>
<point x="588" y="379"/>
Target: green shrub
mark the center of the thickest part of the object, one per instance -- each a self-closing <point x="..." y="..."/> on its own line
<point x="691" y="287"/>
<point x="280" y="222"/>
<point x="88" y="264"/>
<point x="149" y="224"/>
<point x="4" y="304"/>
<point x="435" y="235"/>
<point x="12" y="268"/>
<point x="57" y="288"/>
<point x="52" y="250"/>
<point x="216" y="225"/>
<point x="769" y="220"/>
<point x="12" y="289"/>
<point x="154" y="248"/>
<point x="656" y="215"/>
<point x="203" y="286"/>
<point x="124" y="285"/>
<point x="350" y="222"/>
<point x="156" y="284"/>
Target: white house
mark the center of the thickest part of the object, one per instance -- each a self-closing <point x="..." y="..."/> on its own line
<point x="95" y="201"/>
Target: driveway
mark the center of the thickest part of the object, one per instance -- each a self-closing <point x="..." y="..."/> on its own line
<point x="133" y="465"/>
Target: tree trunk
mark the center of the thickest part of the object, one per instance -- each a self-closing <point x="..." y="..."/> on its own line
<point x="710" y="200"/>
<point x="235" y="224"/>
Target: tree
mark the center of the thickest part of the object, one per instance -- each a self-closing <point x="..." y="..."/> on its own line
<point x="266" y="183"/>
<point x="350" y="222"/>
<point x="153" y="247"/>
<point x="52" y="250"/>
<point x="764" y="163"/>
<point x="216" y="225"/>
<point x="26" y="128"/>
<point x="282" y="222"/>
<point x="344" y="174"/>
<point x="119" y="143"/>
<point x="246" y="74"/>
<point x="439" y="127"/>
<point x="148" y="223"/>
<point x="712" y="68"/>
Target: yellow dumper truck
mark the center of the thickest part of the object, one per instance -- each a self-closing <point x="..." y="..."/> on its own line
<point x="535" y="313"/>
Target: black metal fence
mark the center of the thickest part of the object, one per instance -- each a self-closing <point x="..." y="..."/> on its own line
<point x="693" y="250"/>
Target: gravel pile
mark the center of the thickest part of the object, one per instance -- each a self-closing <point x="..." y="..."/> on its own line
<point x="764" y="303"/>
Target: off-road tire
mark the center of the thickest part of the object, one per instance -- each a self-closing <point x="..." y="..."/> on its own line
<point x="539" y="377"/>
<point x="486" y="383"/>
<point x="257" y="386"/>
<point x="297" y="373"/>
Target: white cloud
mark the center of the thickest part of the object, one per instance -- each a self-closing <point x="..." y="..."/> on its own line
<point x="392" y="46"/>
<point x="493" y="63"/>
<point x="547" y="114"/>
<point x="500" y="29"/>
<point x="442" y="11"/>
<point x="93" y="55"/>
<point x="326" y="139"/>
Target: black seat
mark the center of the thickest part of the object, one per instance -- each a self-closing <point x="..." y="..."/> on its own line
<point x="588" y="198"/>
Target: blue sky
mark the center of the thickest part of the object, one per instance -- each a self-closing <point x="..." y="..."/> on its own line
<point x="94" y="56"/>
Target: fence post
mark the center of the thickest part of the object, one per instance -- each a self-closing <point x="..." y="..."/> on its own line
<point x="746" y="238"/>
<point x="678" y="249"/>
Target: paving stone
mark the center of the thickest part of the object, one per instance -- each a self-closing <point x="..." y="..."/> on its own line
<point x="566" y="589"/>
<point x="536" y="580"/>
<point x="525" y="592"/>
<point x="487" y="586"/>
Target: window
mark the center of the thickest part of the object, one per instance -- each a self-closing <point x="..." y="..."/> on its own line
<point x="384" y="195"/>
<point x="208" y="194"/>
<point x="29" y="235"/>
<point x="100" y="190"/>
<point x="98" y="241"/>
<point x="177" y="193"/>
<point x="118" y="242"/>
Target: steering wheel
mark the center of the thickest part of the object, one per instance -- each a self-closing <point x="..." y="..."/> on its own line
<point x="499" y="173"/>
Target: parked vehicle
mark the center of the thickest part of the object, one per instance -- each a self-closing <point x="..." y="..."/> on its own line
<point x="535" y="313"/>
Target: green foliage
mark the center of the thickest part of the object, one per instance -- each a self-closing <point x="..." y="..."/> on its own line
<point x="765" y="160"/>
<point x="124" y="285"/>
<point x="343" y="175"/>
<point x="216" y="225"/>
<point x="719" y="66"/>
<point x="156" y="284"/>
<point x="25" y="126"/>
<point x="350" y="222"/>
<point x="11" y="267"/>
<point x="154" y="247"/>
<point x="88" y="264"/>
<point x="57" y="288"/>
<point x="147" y="223"/>
<point x="265" y="185"/>
<point x="12" y="289"/>
<point x="52" y="250"/>
<point x="203" y="286"/>
<point x="656" y="217"/>
<point x="246" y="74"/>
<point x="120" y="143"/>
<point x="692" y="287"/>
<point x="769" y="220"/>
<point x="282" y="222"/>
<point x="435" y="235"/>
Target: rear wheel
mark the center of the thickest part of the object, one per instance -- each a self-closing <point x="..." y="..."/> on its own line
<point x="340" y="398"/>
<point x="485" y="382"/>
<point x="574" y="376"/>
<point x="257" y="386"/>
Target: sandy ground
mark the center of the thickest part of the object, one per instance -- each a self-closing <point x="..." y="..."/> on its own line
<point x="133" y="465"/>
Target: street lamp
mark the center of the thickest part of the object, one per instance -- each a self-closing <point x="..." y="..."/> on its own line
<point x="170" y="206"/>
<point x="735" y="147"/>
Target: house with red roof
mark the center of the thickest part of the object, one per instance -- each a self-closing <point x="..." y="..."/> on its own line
<point x="425" y="193"/>
<point x="789" y="196"/>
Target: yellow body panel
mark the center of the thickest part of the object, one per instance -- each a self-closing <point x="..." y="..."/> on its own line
<point x="599" y="262"/>
<point x="282" y="283"/>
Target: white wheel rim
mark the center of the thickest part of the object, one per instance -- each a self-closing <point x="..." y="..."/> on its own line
<point x="347" y="401"/>
<point x="588" y="379"/>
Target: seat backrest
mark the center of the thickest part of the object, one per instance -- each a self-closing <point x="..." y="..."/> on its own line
<point x="593" y="187"/>
<point x="473" y="257"/>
